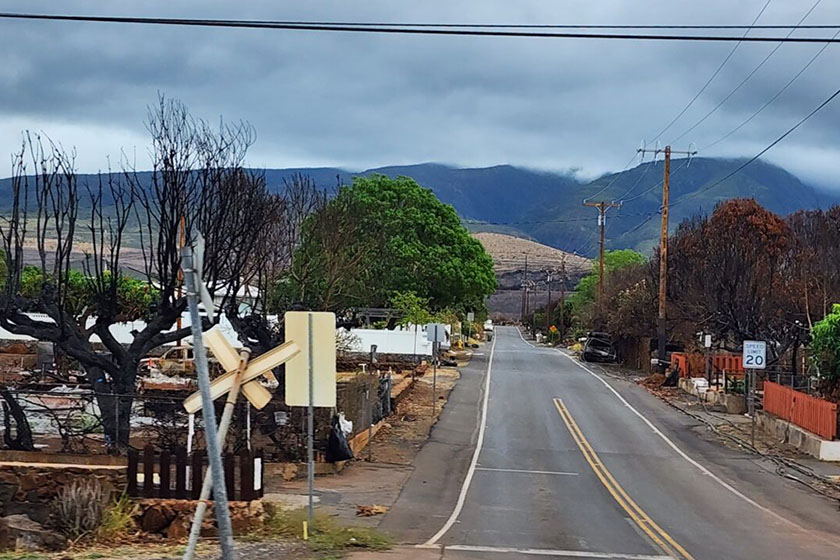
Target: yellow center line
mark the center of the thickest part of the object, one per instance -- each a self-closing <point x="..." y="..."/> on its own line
<point x="658" y="535"/>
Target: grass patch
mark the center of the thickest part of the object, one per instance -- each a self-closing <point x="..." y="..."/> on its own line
<point x="117" y="519"/>
<point x="327" y="534"/>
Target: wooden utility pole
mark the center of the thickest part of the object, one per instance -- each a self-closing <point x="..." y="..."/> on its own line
<point x="663" y="253"/>
<point x="563" y="298"/>
<point x="548" y="304"/>
<point x="602" y="221"/>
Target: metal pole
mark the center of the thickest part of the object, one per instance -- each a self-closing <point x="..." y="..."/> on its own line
<point x="435" y="350"/>
<point x="207" y="411"/>
<point x="224" y="425"/>
<point x="663" y="261"/>
<point x="370" y="414"/>
<point x="310" y="428"/>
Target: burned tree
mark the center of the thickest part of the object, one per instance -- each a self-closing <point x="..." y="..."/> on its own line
<point x="75" y="287"/>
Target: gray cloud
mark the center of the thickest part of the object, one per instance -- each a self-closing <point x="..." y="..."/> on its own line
<point x="365" y="100"/>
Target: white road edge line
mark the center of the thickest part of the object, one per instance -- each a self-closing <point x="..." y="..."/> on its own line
<point x="553" y="552"/>
<point x="526" y="471"/>
<point x="679" y="451"/>
<point x="459" y="505"/>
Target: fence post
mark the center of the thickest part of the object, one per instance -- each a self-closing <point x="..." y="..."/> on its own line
<point x="246" y="475"/>
<point x="196" y="475"/>
<point x="258" y="476"/>
<point x="165" y="473"/>
<point x="228" y="465"/>
<point x="133" y="461"/>
<point x="181" y="473"/>
<point x="149" y="471"/>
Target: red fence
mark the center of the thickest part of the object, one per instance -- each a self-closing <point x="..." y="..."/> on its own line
<point x="694" y="365"/>
<point x="815" y="415"/>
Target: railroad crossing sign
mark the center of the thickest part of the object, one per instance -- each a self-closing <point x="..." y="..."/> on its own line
<point x="258" y="395"/>
<point x="755" y="354"/>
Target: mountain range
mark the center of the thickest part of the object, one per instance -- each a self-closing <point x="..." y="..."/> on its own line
<point x="548" y="207"/>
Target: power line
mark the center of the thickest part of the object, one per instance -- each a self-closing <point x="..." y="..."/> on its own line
<point x="548" y="25"/>
<point x="772" y="99"/>
<point x="536" y="222"/>
<point x="746" y="79"/>
<point x="762" y="152"/>
<point x="714" y="74"/>
<point x="614" y="179"/>
<point x="407" y="30"/>
<point x="658" y="184"/>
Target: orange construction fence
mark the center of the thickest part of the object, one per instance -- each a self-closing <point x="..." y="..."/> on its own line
<point x="693" y="364"/>
<point x="811" y="413"/>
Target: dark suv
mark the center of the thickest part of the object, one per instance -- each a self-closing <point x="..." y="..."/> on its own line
<point x="598" y="348"/>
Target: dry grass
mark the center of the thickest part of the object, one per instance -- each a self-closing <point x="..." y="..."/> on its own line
<point x="508" y="254"/>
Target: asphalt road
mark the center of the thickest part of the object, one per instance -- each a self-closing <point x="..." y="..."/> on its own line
<point x="572" y="465"/>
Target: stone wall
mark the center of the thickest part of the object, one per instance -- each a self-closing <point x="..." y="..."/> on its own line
<point x="28" y="489"/>
<point x="173" y="518"/>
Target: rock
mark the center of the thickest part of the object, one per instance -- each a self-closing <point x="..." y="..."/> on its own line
<point x="7" y="542"/>
<point x="157" y="517"/>
<point x="30" y="536"/>
<point x="179" y="528"/>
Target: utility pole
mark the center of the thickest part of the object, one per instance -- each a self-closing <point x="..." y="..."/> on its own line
<point x="602" y="221"/>
<point x="563" y="298"/>
<point x="548" y="305"/>
<point x="663" y="251"/>
<point x="524" y="312"/>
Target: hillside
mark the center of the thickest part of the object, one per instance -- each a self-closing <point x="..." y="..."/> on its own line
<point x="508" y="254"/>
<point x="547" y="207"/>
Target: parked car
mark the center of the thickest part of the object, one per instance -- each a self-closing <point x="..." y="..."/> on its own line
<point x="598" y="347"/>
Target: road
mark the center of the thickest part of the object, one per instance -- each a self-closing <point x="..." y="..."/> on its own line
<point x="572" y="465"/>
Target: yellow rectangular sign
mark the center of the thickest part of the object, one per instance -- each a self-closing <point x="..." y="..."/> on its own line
<point x="323" y="359"/>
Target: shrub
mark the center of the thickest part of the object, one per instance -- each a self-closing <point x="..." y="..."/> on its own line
<point x="78" y="507"/>
<point x="117" y="519"/>
<point x="825" y="349"/>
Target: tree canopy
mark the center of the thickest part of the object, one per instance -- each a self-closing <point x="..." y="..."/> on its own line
<point x="587" y="288"/>
<point x="379" y="236"/>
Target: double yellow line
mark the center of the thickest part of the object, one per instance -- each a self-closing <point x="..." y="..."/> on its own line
<point x="658" y="535"/>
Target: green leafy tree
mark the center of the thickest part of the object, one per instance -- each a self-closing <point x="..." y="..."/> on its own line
<point x="587" y="289"/>
<point x="413" y="309"/>
<point x="825" y="351"/>
<point x="381" y="235"/>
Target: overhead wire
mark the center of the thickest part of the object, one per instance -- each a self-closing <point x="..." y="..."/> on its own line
<point x="614" y="179"/>
<point x="405" y="29"/>
<point x="774" y="98"/>
<point x="714" y="74"/>
<point x="745" y="80"/>
<point x="817" y="109"/>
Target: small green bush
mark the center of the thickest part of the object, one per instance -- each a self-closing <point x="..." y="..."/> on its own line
<point x="117" y="519"/>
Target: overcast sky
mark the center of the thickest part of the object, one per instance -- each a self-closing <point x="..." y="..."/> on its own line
<point x="359" y="101"/>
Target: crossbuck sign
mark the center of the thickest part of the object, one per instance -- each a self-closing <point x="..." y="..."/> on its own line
<point x="755" y="354"/>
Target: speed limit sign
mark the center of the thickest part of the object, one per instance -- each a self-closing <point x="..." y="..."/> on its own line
<point x="755" y="354"/>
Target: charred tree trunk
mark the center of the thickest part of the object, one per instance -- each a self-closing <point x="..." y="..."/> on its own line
<point x="23" y="433"/>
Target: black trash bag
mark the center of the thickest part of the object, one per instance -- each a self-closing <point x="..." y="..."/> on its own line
<point x="673" y="378"/>
<point x="338" y="449"/>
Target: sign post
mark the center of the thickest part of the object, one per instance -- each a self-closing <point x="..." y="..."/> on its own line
<point x="435" y="333"/>
<point x="755" y="358"/>
<point x="470" y="319"/>
<point x="310" y="376"/>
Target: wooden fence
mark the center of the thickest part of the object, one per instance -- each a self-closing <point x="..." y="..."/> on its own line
<point x="811" y="413"/>
<point x="177" y="475"/>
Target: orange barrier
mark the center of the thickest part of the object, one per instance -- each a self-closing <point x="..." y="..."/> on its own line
<point x="693" y="365"/>
<point x="815" y="415"/>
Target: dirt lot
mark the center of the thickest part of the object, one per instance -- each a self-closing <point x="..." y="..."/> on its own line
<point x="408" y="428"/>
